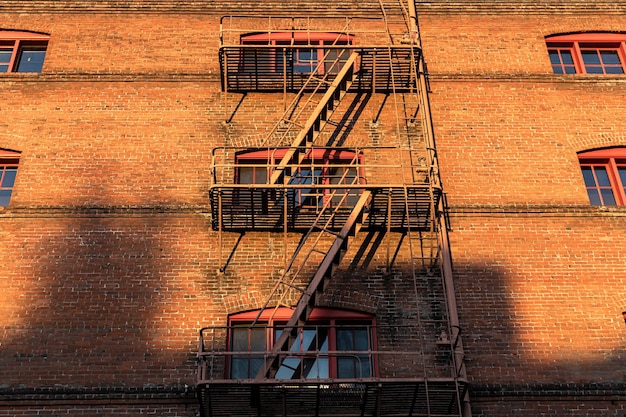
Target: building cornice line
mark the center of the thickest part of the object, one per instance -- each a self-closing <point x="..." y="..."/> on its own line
<point x="534" y="78"/>
<point x="536" y="211"/>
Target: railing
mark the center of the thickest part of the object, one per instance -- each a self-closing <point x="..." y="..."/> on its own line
<point x="232" y="28"/>
<point x="227" y="162"/>
<point x="395" y="352"/>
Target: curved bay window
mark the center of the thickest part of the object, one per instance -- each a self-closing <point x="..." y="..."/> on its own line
<point x="295" y="52"/>
<point x="604" y="172"/>
<point x="333" y="344"/>
<point x="318" y="168"/>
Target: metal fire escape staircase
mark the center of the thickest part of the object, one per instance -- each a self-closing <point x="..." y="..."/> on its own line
<point x="415" y="207"/>
<point x="322" y="226"/>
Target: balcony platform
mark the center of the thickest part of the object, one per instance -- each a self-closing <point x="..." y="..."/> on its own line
<point x="259" y="207"/>
<point x="332" y="398"/>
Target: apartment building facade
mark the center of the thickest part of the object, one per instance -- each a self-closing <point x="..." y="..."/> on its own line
<point x="374" y="208"/>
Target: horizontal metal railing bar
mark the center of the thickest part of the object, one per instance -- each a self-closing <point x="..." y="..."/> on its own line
<point x="369" y="186"/>
<point x="334" y="381"/>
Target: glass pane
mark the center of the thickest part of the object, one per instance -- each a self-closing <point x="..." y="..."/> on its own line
<point x="591" y="57"/>
<point x="5" y="55"/>
<point x="246" y="175"/>
<point x="614" y="70"/>
<point x="607" y="197"/>
<point x="594" y="70"/>
<point x="554" y="57"/>
<point x="622" y="174"/>
<point x="8" y="179"/>
<point x="603" y="177"/>
<point x="590" y="180"/>
<point x="5" y="196"/>
<point x="610" y="57"/>
<point x="31" y="61"/>
<point x="245" y="339"/>
<point x="260" y="176"/>
<point x="570" y="70"/>
<point x="594" y="197"/>
<point x="566" y="56"/>
<point x="557" y="69"/>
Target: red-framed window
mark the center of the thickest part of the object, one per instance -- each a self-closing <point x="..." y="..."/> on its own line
<point x="332" y="344"/>
<point x="588" y="53"/>
<point x="295" y="52"/>
<point x="8" y="173"/>
<point x="22" y="51"/>
<point x="604" y="173"/>
<point x="319" y="167"/>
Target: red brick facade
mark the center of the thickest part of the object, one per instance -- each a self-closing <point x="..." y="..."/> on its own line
<point x="111" y="266"/>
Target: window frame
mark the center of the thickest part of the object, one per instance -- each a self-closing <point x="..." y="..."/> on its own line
<point x="577" y="44"/>
<point x="611" y="160"/>
<point x="8" y="160"/>
<point x="320" y="161"/>
<point x="313" y="42"/>
<point x="321" y="317"/>
<point x="18" y="42"/>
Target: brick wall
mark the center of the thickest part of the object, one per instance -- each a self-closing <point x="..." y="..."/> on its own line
<point x="539" y="272"/>
<point x="111" y="266"/>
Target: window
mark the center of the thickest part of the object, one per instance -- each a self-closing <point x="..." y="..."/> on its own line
<point x="22" y="51"/>
<point x="317" y="350"/>
<point x="604" y="173"/>
<point x="318" y="168"/>
<point x="8" y="173"/>
<point x="588" y="53"/>
<point x="296" y="52"/>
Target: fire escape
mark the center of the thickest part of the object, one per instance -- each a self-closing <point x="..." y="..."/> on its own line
<point x="363" y="57"/>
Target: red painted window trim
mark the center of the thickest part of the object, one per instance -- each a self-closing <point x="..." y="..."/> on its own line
<point x="322" y="159"/>
<point x="610" y="160"/>
<point x="16" y="41"/>
<point x="319" y="315"/>
<point x="315" y="38"/>
<point x="8" y="159"/>
<point x="306" y="55"/>
<point x="576" y="43"/>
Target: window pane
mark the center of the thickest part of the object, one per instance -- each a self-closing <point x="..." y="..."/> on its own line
<point x="622" y="174"/>
<point x="590" y="180"/>
<point x="5" y="55"/>
<point x="594" y="197"/>
<point x="557" y="69"/>
<point x="607" y="197"/>
<point x="566" y="56"/>
<point x="554" y="57"/>
<point x="610" y="57"/>
<point x="570" y="70"/>
<point x="614" y="70"/>
<point x="591" y="57"/>
<point x="260" y="176"/>
<point x="603" y="177"/>
<point x="246" y="174"/>
<point x="594" y="70"/>
<point x="8" y="179"/>
<point x="5" y="196"/>
<point x="31" y="60"/>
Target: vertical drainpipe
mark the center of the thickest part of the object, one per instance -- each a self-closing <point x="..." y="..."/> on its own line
<point x="446" y="257"/>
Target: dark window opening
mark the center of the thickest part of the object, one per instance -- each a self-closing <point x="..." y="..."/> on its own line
<point x="604" y="174"/>
<point x="22" y="51"/>
<point x="588" y="53"/>
<point x="333" y="344"/>
<point x="8" y="174"/>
